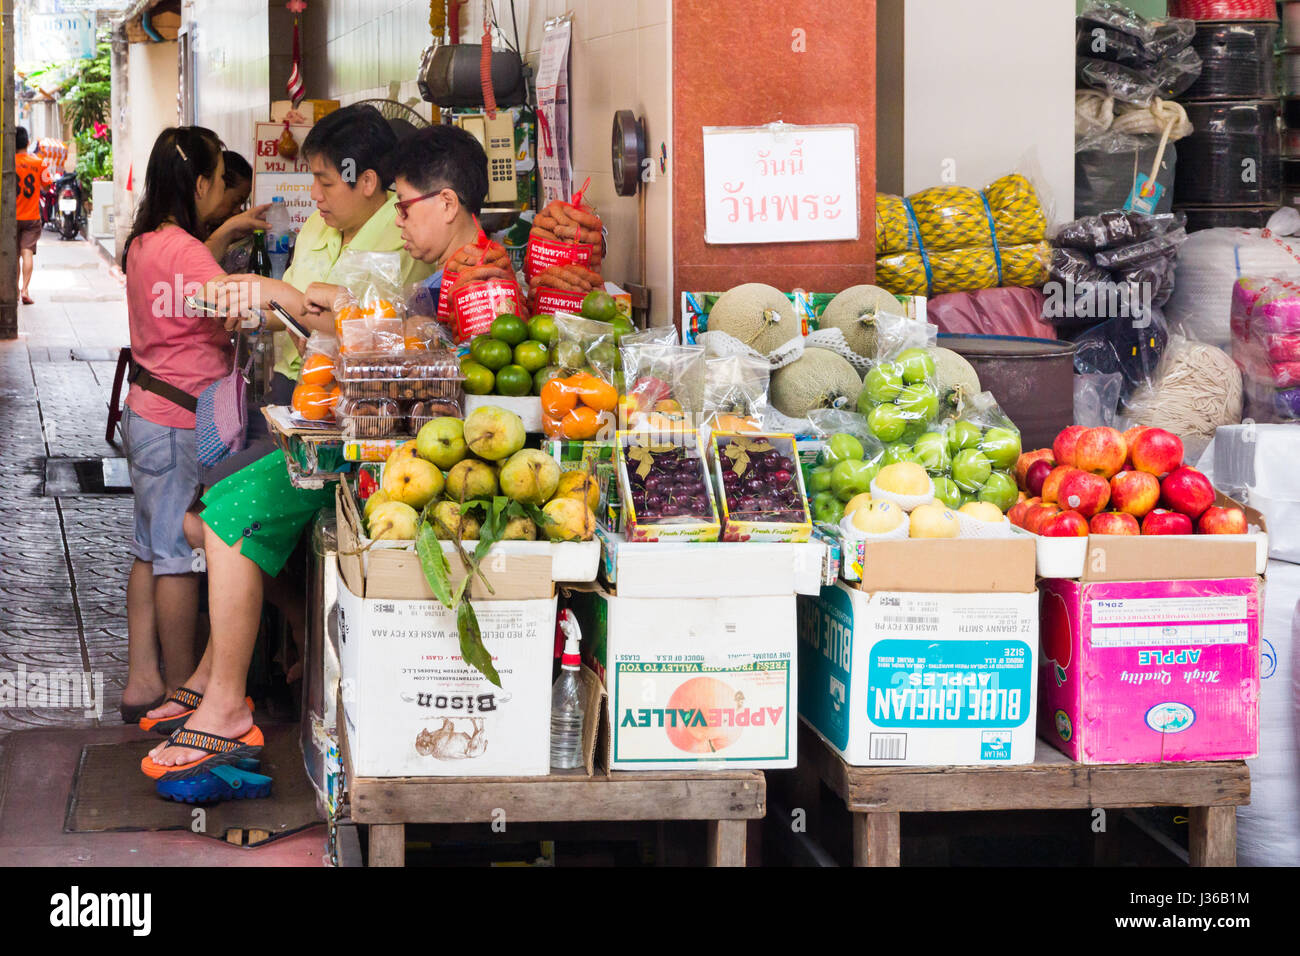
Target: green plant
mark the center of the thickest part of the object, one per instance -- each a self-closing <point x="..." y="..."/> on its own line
<point x="94" y="160"/>
<point x="88" y="91"/>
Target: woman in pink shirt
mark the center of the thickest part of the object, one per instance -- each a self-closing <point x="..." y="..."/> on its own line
<point x="178" y="354"/>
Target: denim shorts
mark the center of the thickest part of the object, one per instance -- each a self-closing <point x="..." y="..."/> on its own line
<point x="165" y="480"/>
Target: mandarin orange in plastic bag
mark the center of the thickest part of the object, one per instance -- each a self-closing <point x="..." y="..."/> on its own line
<point x="558" y="398"/>
<point x="317" y="370"/>
<point x="581" y="423"/>
<point x="312" y="402"/>
<point x="594" y="392"/>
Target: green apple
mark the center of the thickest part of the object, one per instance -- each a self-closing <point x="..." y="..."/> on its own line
<point x="963" y="435"/>
<point x="970" y="469"/>
<point x="882" y="384"/>
<point x="827" y="509"/>
<point x="1001" y="446"/>
<point x="843" y="447"/>
<point x="886" y="422"/>
<point x="442" y="441"/>
<point x="849" y="478"/>
<point x="914" y="430"/>
<point x="819" y="479"/>
<point x="919" y="402"/>
<point x="917" y="365"/>
<point x="931" y="452"/>
<point x="946" y="490"/>
<point x="999" y="490"/>
<point x="897" y="452"/>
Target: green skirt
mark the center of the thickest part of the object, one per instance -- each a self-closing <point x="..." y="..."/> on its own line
<point x="259" y="506"/>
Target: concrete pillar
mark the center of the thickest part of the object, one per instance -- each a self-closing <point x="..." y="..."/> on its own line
<point x="8" y="186"/>
<point x="121" y="132"/>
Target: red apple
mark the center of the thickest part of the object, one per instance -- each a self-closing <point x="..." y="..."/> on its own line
<point x="1085" y="493"/>
<point x="1068" y="524"/>
<point x="1188" y="491"/>
<point x="1218" y="520"/>
<point x="1101" y="451"/>
<point x="1161" y="521"/>
<point x="1027" y="459"/>
<point x="1052" y="483"/>
<point x="1130" y="437"/>
<point x="1134" y="492"/>
<point x="1038" y="514"/>
<point x="1036" y="475"/>
<point x="1114" y="522"/>
<point x="1064" y="447"/>
<point x="1017" y="513"/>
<point x="1157" y="452"/>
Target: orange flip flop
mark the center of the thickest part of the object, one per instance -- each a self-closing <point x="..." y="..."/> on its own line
<point x="188" y="699"/>
<point x="221" y="751"/>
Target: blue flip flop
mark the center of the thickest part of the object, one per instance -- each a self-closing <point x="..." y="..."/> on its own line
<point x="236" y="781"/>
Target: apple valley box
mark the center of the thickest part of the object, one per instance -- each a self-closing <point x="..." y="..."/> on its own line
<point x="889" y="675"/>
<point x="694" y="684"/>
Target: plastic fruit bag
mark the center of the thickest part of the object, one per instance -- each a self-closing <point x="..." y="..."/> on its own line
<point x="735" y="393"/>
<point x="655" y="335"/>
<point x="484" y="287"/>
<point x="900" y="394"/>
<point x="318" y="360"/>
<point x="562" y="288"/>
<point x="665" y="383"/>
<point x="579" y="407"/>
<point x="849" y="460"/>
<point x="565" y="233"/>
<point x="585" y="345"/>
<point x="984" y="445"/>
<point x="369" y="315"/>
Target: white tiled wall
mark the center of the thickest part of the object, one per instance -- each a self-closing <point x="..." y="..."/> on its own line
<point x="234" y="60"/>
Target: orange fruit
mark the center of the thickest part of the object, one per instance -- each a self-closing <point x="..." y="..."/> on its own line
<point x="379" y="309"/>
<point x="595" y="393"/>
<point x="312" y="402"/>
<point x="551" y="427"/>
<point x="335" y="394"/>
<point x="558" y="398"/>
<point x="581" y="423"/>
<point x="415" y="343"/>
<point x="317" y="370"/>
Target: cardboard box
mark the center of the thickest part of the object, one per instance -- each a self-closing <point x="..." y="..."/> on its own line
<point x="682" y="569"/>
<point x="414" y="708"/>
<point x="892" y="678"/>
<point x="1151" y="671"/>
<point x="748" y="530"/>
<point x="313" y="111"/>
<point x="697" y="684"/>
<point x="1175" y="557"/>
<point x="954" y="565"/>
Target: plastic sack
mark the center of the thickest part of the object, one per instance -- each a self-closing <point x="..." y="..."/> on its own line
<point x="1211" y="261"/>
<point x="565" y="233"/>
<point x="735" y="393"/>
<point x="586" y="345"/>
<point x="1195" y="389"/>
<point x="663" y="382"/>
<point x="1115" y="229"/>
<point x="579" y="407"/>
<point x="983" y="444"/>
<point x="1107" y="32"/>
<point x="1107" y="167"/>
<point x="480" y="259"/>
<point x="828" y="422"/>
<point x="900" y="395"/>
<point x="1098" y="383"/>
<point x="655" y="335"/>
<point x="1121" y="19"/>
<point x="369" y="313"/>
<point x="1007" y="311"/>
<point x="1169" y="78"/>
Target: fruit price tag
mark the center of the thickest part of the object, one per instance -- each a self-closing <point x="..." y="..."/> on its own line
<point x="476" y="304"/>
<point x="554" y="300"/>
<point x="543" y="253"/>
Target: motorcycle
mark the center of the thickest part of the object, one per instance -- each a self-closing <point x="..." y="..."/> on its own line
<point x="67" y="212"/>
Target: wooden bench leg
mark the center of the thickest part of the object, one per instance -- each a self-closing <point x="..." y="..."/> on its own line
<point x="388" y="844"/>
<point x="1212" y="836"/>
<point x="727" y="842"/>
<point x="876" y="839"/>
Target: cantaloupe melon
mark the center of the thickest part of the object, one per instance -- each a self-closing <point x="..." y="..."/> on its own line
<point x="955" y="378"/>
<point x="817" y="379"/>
<point x="853" y="312"/>
<point x="756" y="314"/>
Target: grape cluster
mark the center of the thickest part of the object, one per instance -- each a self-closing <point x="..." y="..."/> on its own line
<point x="767" y="490"/>
<point x="674" y="487"/>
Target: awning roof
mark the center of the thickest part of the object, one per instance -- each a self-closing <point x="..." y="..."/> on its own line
<point x="164" y="18"/>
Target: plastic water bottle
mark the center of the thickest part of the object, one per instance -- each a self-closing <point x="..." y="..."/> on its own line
<point x="277" y="236"/>
<point x="566" y="703"/>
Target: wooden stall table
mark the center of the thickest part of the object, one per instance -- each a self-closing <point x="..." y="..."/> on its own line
<point x="726" y="800"/>
<point x="877" y="796"/>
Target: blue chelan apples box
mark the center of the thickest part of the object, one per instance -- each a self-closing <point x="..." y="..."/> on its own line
<point x="893" y="678"/>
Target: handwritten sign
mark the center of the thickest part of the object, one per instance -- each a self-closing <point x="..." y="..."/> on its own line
<point x="780" y="183"/>
<point x="273" y="175"/>
<point x="292" y="189"/>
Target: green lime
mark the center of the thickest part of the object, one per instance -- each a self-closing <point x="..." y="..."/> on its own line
<point x="603" y="355"/>
<point x="541" y="328"/>
<point x="544" y="375"/>
<point x="509" y="329"/>
<point x="514" y="380"/>
<point x="492" y="353"/>
<point x="478" y="378"/>
<point x="600" y="305"/>
<point x="531" y="355"/>
<point x="569" y="355"/>
<point x="622" y="326"/>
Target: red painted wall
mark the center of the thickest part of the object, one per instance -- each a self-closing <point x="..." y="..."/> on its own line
<point x="733" y="65"/>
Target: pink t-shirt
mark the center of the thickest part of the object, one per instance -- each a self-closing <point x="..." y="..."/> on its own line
<point x="189" y="352"/>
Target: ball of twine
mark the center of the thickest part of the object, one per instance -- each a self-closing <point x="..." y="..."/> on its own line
<point x="1197" y="390"/>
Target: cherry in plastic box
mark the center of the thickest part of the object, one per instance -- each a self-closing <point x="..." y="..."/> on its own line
<point x="412" y="375"/>
<point x="664" y="485"/>
<point x="760" y="488"/>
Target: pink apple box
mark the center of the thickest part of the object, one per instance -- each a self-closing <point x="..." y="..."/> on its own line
<point x="1150" y="671"/>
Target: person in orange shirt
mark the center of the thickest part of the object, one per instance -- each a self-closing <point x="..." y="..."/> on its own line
<point x="33" y="174"/>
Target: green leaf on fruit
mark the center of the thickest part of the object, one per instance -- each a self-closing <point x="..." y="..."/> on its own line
<point x="472" y="650"/>
<point x="434" y="564"/>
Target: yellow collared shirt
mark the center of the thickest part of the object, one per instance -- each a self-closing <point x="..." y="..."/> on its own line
<point x="317" y="252"/>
